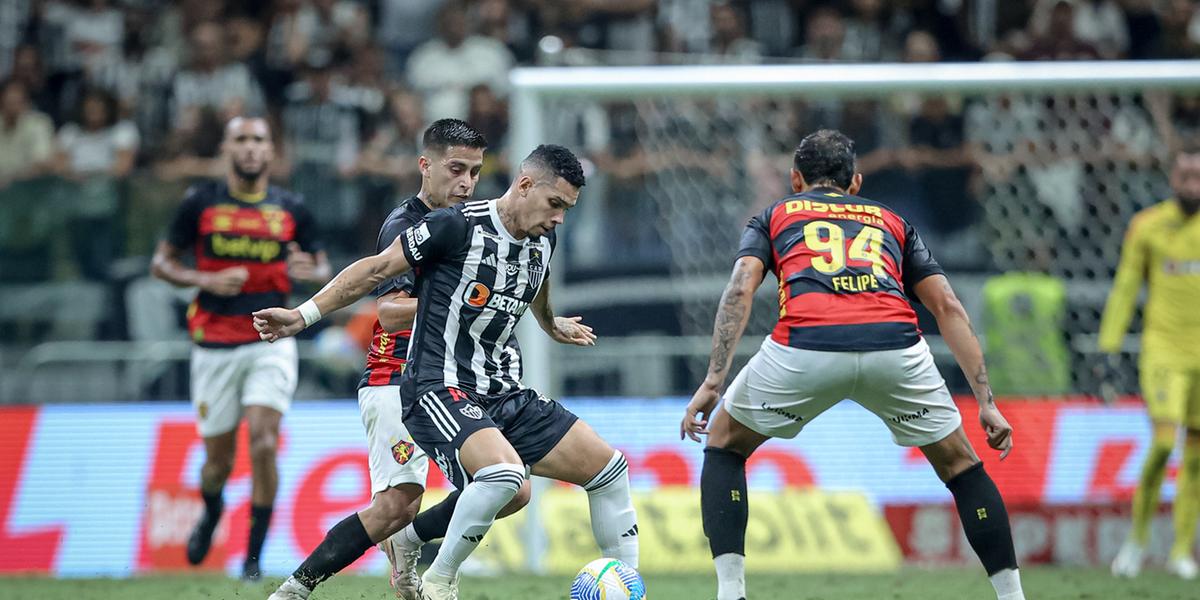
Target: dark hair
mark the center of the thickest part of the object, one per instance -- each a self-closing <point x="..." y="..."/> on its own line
<point x="109" y="101"/>
<point x="445" y="133"/>
<point x="826" y="156"/>
<point x="558" y="160"/>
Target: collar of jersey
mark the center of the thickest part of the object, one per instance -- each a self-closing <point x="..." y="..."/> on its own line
<point x="251" y="198"/>
<point x="494" y="213"/>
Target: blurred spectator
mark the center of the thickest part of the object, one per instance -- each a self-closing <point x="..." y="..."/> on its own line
<point x="315" y="32"/>
<point x="1144" y="28"/>
<point x="619" y="25"/>
<point x="445" y="68"/>
<point x="403" y="25"/>
<point x="685" y="26"/>
<point x="1181" y="30"/>
<point x="209" y="82"/>
<point x="729" y="41"/>
<point x="26" y="136"/>
<point x="90" y="30"/>
<point x="1099" y="23"/>
<point x="392" y="152"/>
<point x="824" y="37"/>
<point x="365" y="86"/>
<point x="95" y="151"/>
<point x="489" y="115"/>
<point x="14" y="21"/>
<point x="1058" y="40"/>
<point x="140" y="77"/>
<point x="26" y="152"/>
<point x="496" y="19"/>
<point x="27" y="68"/>
<point x="322" y="143"/>
<point x="865" y="38"/>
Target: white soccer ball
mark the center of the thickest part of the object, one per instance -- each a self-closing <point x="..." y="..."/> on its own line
<point x="608" y="579"/>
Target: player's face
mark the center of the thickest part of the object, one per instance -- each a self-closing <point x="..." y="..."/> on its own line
<point x="248" y="144"/>
<point x="546" y="205"/>
<point x="449" y="178"/>
<point x="1185" y="179"/>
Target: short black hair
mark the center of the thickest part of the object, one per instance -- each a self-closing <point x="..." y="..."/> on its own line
<point x="558" y="160"/>
<point x="826" y="156"/>
<point x="446" y="133"/>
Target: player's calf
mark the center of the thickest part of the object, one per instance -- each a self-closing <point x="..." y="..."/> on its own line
<point x="985" y="523"/>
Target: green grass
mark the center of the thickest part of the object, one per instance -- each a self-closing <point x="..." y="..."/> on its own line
<point x="1040" y="584"/>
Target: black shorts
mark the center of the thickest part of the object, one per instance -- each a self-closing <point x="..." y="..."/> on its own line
<point x="441" y="419"/>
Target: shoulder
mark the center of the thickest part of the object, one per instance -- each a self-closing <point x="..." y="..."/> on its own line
<point x="203" y="192"/>
<point x="1151" y="215"/>
<point x="285" y="198"/>
<point x="474" y="208"/>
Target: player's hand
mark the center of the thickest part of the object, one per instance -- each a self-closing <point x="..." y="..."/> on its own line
<point x="999" y="432"/>
<point x="301" y="265"/>
<point x="277" y="323"/>
<point x="1106" y="372"/>
<point x="699" y="410"/>
<point x="226" y="282"/>
<point x="571" y="330"/>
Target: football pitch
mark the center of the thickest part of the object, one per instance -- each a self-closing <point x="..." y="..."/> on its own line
<point x="1041" y="583"/>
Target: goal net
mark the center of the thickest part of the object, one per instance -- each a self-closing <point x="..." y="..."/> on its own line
<point x="1002" y="167"/>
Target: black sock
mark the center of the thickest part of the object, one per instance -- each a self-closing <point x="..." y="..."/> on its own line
<point x="213" y="505"/>
<point x="432" y="522"/>
<point x="260" y="521"/>
<point x="347" y="541"/>
<point x="984" y="518"/>
<point x="723" y="503"/>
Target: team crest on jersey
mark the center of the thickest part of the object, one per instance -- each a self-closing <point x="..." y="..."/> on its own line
<point x="536" y="267"/>
<point x="402" y="451"/>
<point x="471" y="411"/>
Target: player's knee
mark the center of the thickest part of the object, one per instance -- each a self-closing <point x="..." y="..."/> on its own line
<point x="952" y="465"/>
<point x="263" y="446"/>
<point x="519" y="501"/>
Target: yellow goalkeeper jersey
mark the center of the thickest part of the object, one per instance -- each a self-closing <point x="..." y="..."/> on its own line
<point x="1162" y="247"/>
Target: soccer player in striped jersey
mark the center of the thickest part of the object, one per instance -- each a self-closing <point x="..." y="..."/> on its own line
<point x="451" y="158"/>
<point x="1162" y="248"/>
<point x="249" y="240"/>
<point x="847" y="267"/>
<point x="479" y="266"/>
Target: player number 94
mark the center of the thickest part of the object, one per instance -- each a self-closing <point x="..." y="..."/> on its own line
<point x="829" y="239"/>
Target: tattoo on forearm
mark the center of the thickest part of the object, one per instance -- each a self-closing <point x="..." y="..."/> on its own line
<point x="731" y="315"/>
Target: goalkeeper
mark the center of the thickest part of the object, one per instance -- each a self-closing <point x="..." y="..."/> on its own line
<point x="1162" y="247"/>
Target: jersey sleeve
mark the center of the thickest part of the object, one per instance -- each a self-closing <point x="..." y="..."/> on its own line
<point x="306" y="227"/>
<point x="392" y="229"/>
<point x="756" y="240"/>
<point x="440" y="234"/>
<point x="1122" y="299"/>
<point x="918" y="261"/>
<point x="185" y="225"/>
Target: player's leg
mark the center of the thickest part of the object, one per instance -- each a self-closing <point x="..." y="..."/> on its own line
<point x="774" y="395"/>
<point x="465" y="443"/>
<point x="1187" y="487"/>
<point x="431" y="524"/>
<point x="1164" y="392"/>
<point x="903" y="387"/>
<point x="214" y="387"/>
<point x="270" y="382"/>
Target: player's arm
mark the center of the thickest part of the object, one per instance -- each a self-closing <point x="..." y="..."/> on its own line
<point x="564" y="330"/>
<point x="1122" y="299"/>
<point x="396" y="311"/>
<point x="954" y="324"/>
<point x="732" y="315"/>
<point x="167" y="263"/>
<point x="352" y="283"/>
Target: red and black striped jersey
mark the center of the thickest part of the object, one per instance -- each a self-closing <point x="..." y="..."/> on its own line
<point x="225" y="230"/>
<point x="846" y="267"/>
<point x="388" y="350"/>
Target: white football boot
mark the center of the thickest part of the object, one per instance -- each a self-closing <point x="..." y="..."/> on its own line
<point x="404" y="579"/>
<point x="437" y="590"/>
<point x="1183" y="567"/>
<point x="1128" y="562"/>
<point x="290" y="590"/>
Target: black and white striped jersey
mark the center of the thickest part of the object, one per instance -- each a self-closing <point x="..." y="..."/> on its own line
<point x="474" y="280"/>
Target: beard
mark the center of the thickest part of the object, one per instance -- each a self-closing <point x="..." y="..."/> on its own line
<point x="1190" y="204"/>
<point x="248" y="174"/>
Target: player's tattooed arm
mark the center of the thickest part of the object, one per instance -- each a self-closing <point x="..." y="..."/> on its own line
<point x="564" y="330"/>
<point x="732" y="314"/>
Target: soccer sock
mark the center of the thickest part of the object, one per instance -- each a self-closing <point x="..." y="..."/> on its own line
<point x="725" y="508"/>
<point x="614" y="521"/>
<point x="260" y="521"/>
<point x="1007" y="584"/>
<point x="214" y="504"/>
<point x="984" y="519"/>
<point x="481" y="499"/>
<point x="1187" y="499"/>
<point x="431" y="523"/>
<point x="1145" y="498"/>
<point x="347" y="541"/>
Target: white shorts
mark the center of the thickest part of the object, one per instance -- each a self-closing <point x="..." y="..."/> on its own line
<point x="392" y="457"/>
<point x="226" y="379"/>
<point x="783" y="388"/>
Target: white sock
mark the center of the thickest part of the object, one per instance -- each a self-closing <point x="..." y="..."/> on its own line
<point x="1007" y="584"/>
<point x="731" y="576"/>
<point x="481" y="499"/>
<point x="614" y="521"/>
<point x="408" y="538"/>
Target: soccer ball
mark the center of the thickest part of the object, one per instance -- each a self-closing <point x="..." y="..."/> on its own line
<point x="608" y="579"/>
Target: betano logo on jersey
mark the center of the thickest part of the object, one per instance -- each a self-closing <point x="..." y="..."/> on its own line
<point x="244" y="247"/>
<point x="481" y="296"/>
<point x="864" y="213"/>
